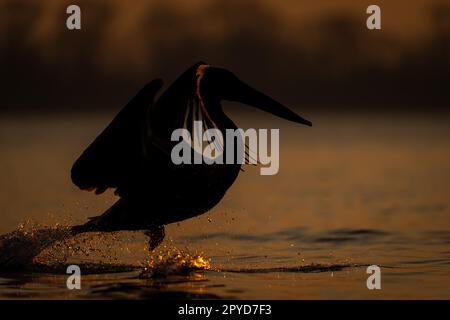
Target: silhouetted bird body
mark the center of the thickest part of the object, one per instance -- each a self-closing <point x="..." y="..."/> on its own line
<point x="133" y="154"/>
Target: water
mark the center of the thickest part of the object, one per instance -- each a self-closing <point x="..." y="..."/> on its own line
<point x="352" y="191"/>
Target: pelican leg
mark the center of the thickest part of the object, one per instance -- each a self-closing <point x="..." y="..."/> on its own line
<point x="156" y="236"/>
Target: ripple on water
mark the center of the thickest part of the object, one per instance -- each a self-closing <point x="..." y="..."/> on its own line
<point x="300" y="235"/>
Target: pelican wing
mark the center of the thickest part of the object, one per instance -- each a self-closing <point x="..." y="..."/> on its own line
<point x="115" y="155"/>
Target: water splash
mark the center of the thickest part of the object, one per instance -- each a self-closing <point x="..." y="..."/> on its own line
<point x="174" y="261"/>
<point x="19" y="248"/>
<point x="38" y="248"/>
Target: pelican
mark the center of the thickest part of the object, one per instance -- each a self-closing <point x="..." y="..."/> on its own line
<point x="132" y="155"/>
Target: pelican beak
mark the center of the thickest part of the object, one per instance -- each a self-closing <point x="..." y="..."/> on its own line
<point x="252" y="97"/>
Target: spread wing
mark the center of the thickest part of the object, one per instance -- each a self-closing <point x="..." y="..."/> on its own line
<point x="115" y="155"/>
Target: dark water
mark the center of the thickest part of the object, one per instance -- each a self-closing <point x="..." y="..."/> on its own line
<point x="352" y="191"/>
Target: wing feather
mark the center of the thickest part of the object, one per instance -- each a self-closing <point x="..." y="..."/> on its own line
<point x="113" y="157"/>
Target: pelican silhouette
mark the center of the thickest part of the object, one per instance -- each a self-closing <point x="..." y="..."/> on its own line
<point x="132" y="154"/>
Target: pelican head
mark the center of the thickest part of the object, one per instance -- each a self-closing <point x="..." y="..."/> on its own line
<point x="220" y="84"/>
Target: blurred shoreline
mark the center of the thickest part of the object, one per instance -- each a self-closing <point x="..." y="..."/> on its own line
<point x="328" y="61"/>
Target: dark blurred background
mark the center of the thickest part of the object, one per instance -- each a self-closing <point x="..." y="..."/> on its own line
<point x="314" y="54"/>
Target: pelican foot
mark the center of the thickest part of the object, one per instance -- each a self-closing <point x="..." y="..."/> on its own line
<point x="156" y="236"/>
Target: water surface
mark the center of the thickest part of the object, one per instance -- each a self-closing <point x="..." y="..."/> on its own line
<point x="352" y="191"/>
